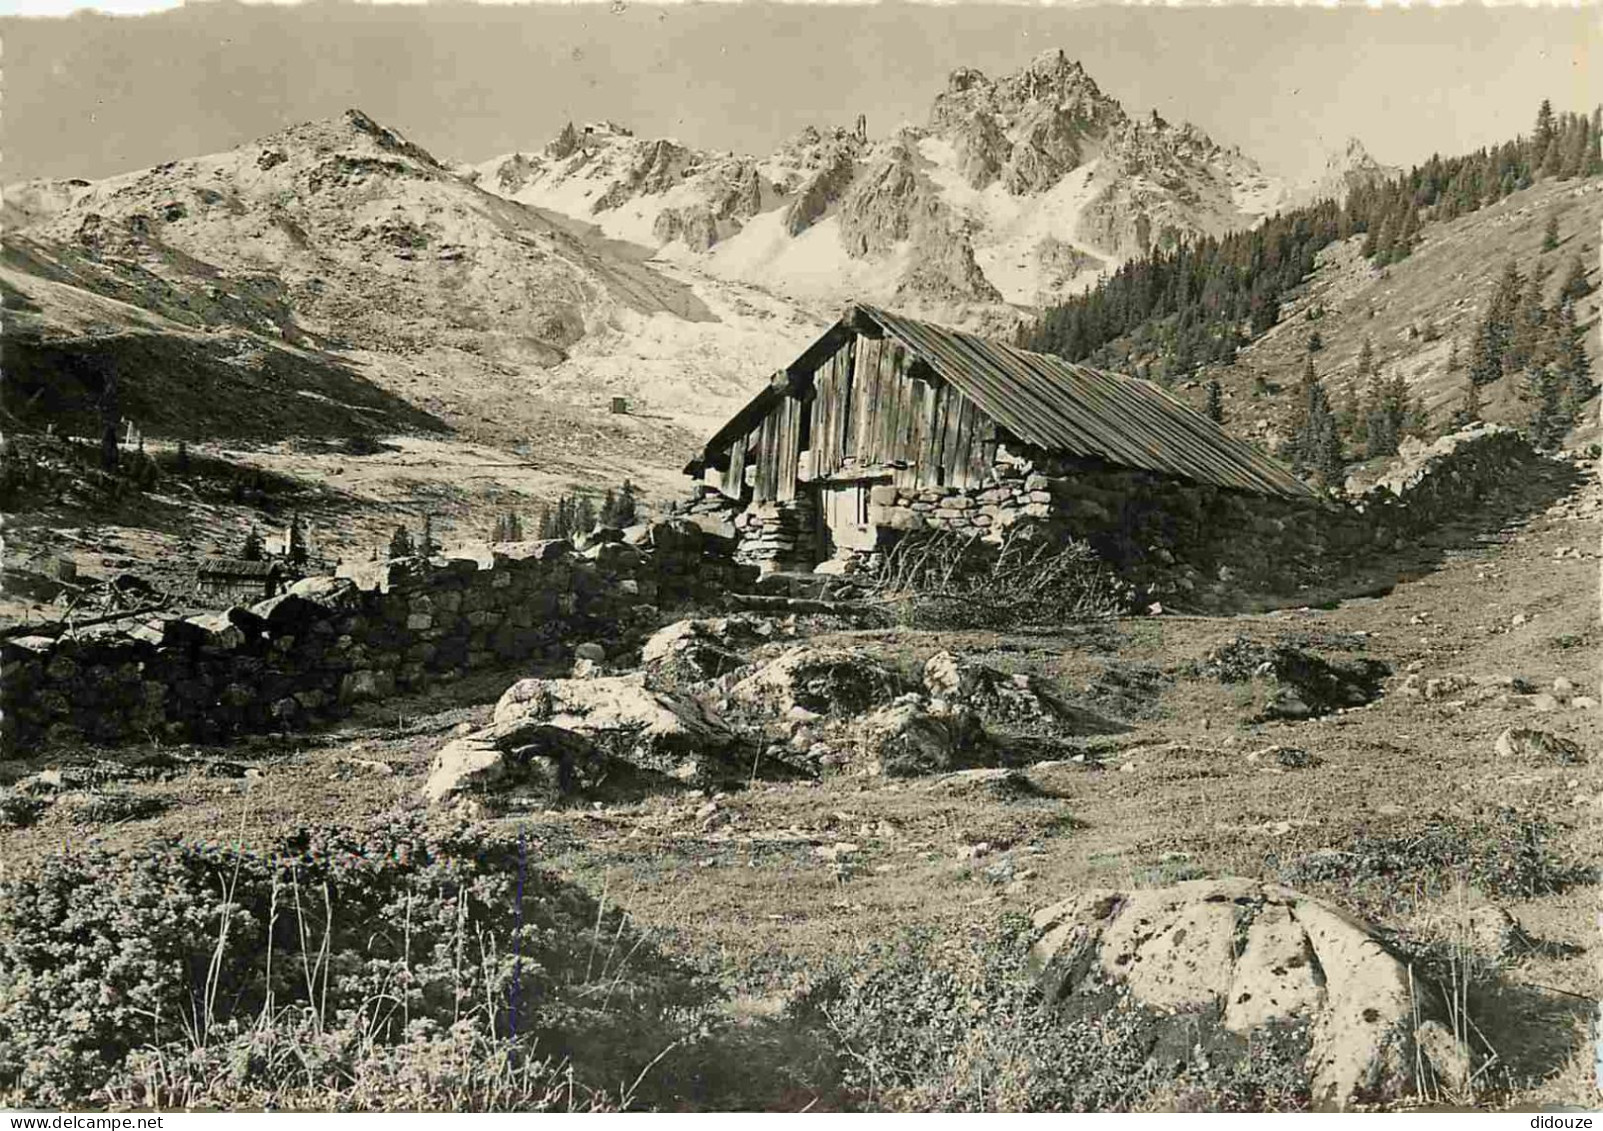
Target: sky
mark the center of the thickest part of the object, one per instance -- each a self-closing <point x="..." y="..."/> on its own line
<point x="94" y="94"/>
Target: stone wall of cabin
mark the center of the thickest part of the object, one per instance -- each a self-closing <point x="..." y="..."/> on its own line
<point x="377" y="629"/>
<point x="1199" y="543"/>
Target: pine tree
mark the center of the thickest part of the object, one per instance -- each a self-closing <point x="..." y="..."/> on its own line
<point x="584" y="515"/>
<point x="1469" y="409"/>
<point x="1454" y="364"/>
<point x="1315" y="342"/>
<point x="1544" y="127"/>
<point x="1550" y="233"/>
<point x="1315" y="446"/>
<point x="1530" y="326"/>
<point x="1216" y="407"/>
<point x="1567" y="350"/>
<point x="1407" y="235"/>
<point x="110" y="418"/>
<point x="296" y="550"/>
<point x="182" y="462"/>
<point x="514" y="527"/>
<point x="1353" y="420"/>
<point x="1388" y="414"/>
<point x="427" y="547"/>
<point x="401" y="545"/>
<point x="628" y="506"/>
<point x="1366" y="360"/>
<point x="609" y="509"/>
<point x="1575" y="285"/>
<point x="1547" y="424"/>
<point x="1552" y="159"/>
<point x="253" y="550"/>
<point x="545" y="523"/>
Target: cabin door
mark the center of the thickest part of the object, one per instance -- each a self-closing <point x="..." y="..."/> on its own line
<point x="843" y="517"/>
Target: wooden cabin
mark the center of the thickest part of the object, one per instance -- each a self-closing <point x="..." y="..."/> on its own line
<point x="887" y="423"/>
<point x="231" y="581"/>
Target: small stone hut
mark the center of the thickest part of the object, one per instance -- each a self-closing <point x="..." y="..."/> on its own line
<point x="887" y="424"/>
<point x="233" y="581"/>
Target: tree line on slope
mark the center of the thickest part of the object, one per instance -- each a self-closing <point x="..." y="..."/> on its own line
<point x="1164" y="314"/>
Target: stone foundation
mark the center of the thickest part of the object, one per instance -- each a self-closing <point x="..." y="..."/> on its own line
<point x="1171" y="537"/>
<point x="779" y="536"/>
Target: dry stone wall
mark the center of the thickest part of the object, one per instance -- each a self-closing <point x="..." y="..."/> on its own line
<point x="377" y="629"/>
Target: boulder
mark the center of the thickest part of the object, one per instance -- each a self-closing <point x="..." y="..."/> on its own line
<point x="690" y="652"/>
<point x="366" y="684"/>
<point x="385" y="575"/>
<point x="591" y="651"/>
<point x="1300" y="683"/>
<point x="908" y="739"/>
<point x="470" y="763"/>
<point x="1230" y="962"/>
<point x="330" y="592"/>
<point x="1528" y="743"/>
<point x="1015" y="702"/>
<point x="287" y="610"/>
<point x="531" y="759"/>
<point x="828" y="681"/>
<point x="651" y="730"/>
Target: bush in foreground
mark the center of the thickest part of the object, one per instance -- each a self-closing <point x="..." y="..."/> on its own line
<point x="387" y="969"/>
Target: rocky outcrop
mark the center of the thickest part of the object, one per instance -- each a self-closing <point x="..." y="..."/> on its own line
<point x="659" y="167"/>
<point x="982" y="149"/>
<point x="887" y="203"/>
<point x="1231" y="961"/>
<point x="1050" y="144"/>
<point x="913" y="738"/>
<point x="820" y="681"/>
<point x="823" y="187"/>
<point x="942" y="269"/>
<point x="1532" y="744"/>
<point x="564" y="145"/>
<point x="657" y="731"/>
<point x="1013" y="702"/>
<point x="689" y="653"/>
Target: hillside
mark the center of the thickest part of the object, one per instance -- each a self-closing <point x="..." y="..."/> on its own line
<point x="1414" y="311"/>
<point x="1016" y="189"/>
<point x="345" y="239"/>
<point x="333" y="282"/>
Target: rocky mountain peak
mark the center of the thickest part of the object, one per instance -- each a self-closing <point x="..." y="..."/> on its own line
<point x="1346" y="168"/>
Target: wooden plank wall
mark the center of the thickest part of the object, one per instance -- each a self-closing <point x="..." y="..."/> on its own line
<point x="871" y="409"/>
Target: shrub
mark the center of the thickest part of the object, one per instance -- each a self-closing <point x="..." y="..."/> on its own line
<point x="1507" y="856"/>
<point x="943" y="579"/>
<point x="338" y="966"/>
<point x="932" y="1023"/>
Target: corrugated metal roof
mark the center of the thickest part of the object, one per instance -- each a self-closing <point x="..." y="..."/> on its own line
<point x="1080" y="411"/>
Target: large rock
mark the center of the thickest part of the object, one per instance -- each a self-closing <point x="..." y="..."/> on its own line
<point x="330" y="592"/>
<point x="691" y="652"/>
<point x="472" y="762"/>
<point x="532" y="759"/>
<point x="1528" y="743"/>
<point x="652" y="730"/>
<point x="908" y="739"/>
<point x="1301" y="683"/>
<point x="1226" y="962"/>
<point x="824" y="681"/>
<point x="1015" y="702"/>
